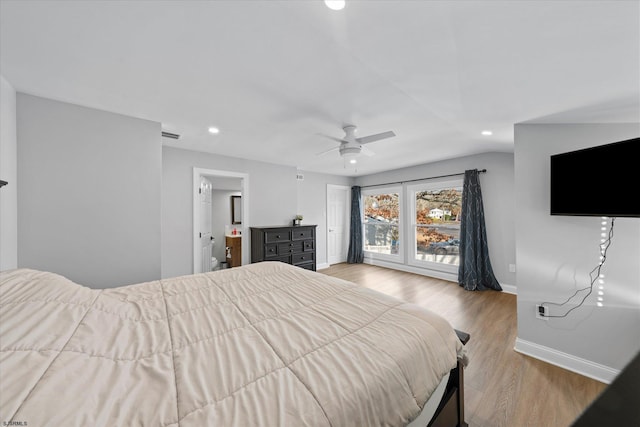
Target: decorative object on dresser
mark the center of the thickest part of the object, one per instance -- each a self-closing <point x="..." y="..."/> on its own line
<point x="297" y="220"/>
<point x="294" y="245"/>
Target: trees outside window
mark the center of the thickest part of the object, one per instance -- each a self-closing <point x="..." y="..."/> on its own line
<point x="436" y="212"/>
<point x="381" y="222"/>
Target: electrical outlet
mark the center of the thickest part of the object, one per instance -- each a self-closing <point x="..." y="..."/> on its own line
<point x="512" y="268"/>
<point x="542" y="312"/>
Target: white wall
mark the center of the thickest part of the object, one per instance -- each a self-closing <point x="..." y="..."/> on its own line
<point x="556" y="253"/>
<point x="8" y="172"/>
<point x="312" y="205"/>
<point x="272" y="200"/>
<point x="498" y="198"/>
<point x="89" y="193"/>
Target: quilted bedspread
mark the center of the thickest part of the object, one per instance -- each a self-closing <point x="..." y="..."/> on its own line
<point x="266" y="344"/>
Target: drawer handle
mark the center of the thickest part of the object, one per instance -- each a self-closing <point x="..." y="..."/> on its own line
<point x="291" y="244"/>
<point x="290" y="250"/>
<point x="277" y="236"/>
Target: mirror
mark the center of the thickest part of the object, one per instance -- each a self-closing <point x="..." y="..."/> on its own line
<point x="236" y="209"/>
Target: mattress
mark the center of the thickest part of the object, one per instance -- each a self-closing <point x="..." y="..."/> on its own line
<point x="263" y="344"/>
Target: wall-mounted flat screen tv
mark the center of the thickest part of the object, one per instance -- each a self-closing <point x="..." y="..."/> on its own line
<point x="597" y="181"/>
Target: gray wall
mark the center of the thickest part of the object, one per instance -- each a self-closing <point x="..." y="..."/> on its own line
<point x="312" y="204"/>
<point x="8" y="172"/>
<point x="498" y="198"/>
<point x="88" y="193"/>
<point x="272" y="200"/>
<point x="556" y="253"/>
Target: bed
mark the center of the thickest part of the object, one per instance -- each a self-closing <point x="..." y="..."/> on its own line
<point x="266" y="344"/>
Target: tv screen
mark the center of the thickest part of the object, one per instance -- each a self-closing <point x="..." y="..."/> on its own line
<point x="597" y="181"/>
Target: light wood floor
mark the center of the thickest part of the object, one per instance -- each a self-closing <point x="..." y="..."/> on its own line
<point x="502" y="387"/>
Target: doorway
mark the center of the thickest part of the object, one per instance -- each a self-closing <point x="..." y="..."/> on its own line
<point x="338" y="206"/>
<point x="213" y="219"/>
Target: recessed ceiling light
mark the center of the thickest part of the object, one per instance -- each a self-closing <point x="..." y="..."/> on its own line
<point x="353" y="161"/>
<point x="486" y="133"/>
<point x="214" y="130"/>
<point x="335" y="4"/>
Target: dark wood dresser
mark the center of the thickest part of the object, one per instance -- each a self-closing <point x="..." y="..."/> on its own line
<point x="294" y="245"/>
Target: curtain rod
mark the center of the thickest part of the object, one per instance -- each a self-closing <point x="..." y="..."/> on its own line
<point x="420" y="179"/>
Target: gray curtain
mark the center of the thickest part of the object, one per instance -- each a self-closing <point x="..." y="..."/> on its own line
<point x="356" y="253"/>
<point x="475" y="272"/>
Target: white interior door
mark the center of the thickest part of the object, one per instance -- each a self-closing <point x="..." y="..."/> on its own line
<point x="205" y="233"/>
<point x="338" y="204"/>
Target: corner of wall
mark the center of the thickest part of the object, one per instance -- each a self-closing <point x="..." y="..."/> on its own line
<point x="8" y="172"/>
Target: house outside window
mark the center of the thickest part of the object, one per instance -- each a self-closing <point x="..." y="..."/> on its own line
<point x="382" y="211"/>
<point x="435" y="209"/>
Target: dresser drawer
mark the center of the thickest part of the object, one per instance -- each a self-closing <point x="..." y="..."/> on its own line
<point x="309" y="266"/>
<point x="271" y="250"/>
<point x="277" y="236"/>
<point x="301" y="233"/>
<point x="290" y="247"/>
<point x="302" y="258"/>
<point x="309" y="245"/>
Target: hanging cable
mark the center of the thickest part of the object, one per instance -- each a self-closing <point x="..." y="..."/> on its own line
<point x="603" y="257"/>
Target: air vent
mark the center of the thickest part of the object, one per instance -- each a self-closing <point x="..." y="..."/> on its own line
<point x="170" y="135"/>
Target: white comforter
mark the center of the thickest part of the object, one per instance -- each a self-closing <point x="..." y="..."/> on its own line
<point x="261" y="345"/>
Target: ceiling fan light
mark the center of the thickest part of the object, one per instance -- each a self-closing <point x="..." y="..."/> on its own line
<point x="349" y="156"/>
<point x="335" y="4"/>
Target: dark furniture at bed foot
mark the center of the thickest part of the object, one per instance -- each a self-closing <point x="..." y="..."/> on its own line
<point x="450" y="412"/>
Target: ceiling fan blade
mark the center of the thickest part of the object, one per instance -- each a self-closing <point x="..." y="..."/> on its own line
<point x="376" y="137"/>
<point x="328" y="151"/>
<point x="340" y="140"/>
<point x="367" y="151"/>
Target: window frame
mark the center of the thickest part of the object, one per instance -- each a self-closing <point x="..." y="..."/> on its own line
<point x="396" y="258"/>
<point x="412" y="190"/>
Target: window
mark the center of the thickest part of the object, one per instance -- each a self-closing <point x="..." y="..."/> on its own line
<point x="436" y="211"/>
<point x="381" y="222"/>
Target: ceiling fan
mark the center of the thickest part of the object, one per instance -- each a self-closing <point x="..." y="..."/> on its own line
<point x="350" y="147"/>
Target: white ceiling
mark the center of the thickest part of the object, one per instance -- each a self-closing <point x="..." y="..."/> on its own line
<point x="276" y="75"/>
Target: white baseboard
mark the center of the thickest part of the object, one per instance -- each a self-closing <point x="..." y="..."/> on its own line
<point x="410" y="269"/>
<point x="322" y="266"/>
<point x="509" y="289"/>
<point x="567" y="361"/>
<point x="506" y="288"/>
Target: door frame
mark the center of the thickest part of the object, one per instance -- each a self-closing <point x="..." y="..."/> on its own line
<point x="197" y="173"/>
<point x="348" y="216"/>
